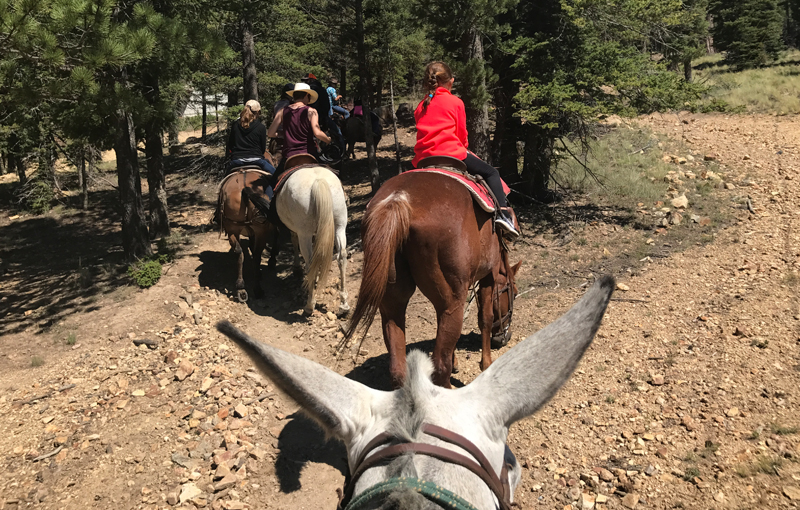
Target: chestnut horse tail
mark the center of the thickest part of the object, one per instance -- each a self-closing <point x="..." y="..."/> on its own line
<point x="385" y="229"/>
<point x="324" y="238"/>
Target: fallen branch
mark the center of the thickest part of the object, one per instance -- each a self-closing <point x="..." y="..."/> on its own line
<point x="48" y="455"/>
<point x="630" y="300"/>
<point x="260" y="398"/>
<point x="32" y="399"/>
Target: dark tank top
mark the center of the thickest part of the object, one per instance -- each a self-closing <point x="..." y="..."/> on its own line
<point x="298" y="137"/>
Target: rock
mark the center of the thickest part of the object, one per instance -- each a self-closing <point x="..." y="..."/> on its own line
<point x="680" y="202"/>
<point x="185" y="461"/>
<point x="792" y="493"/>
<point x="222" y="471"/>
<point x="709" y="157"/>
<point x="574" y="493"/>
<point x="587" y="501"/>
<point x="173" y="498"/>
<point x="240" y="411"/>
<point x="258" y="453"/>
<point x="719" y="497"/>
<point x="189" y="491"/>
<point x="657" y="380"/>
<point x="732" y="412"/>
<point x="630" y="500"/>
<point x="226" y="483"/>
<point x="138" y="393"/>
<point x="675" y="218"/>
<point x="601" y="499"/>
<point x="689" y="423"/>
<point x="605" y="475"/>
<point x="730" y="185"/>
<point x="185" y="369"/>
<point x="746" y="157"/>
<point x="170" y="357"/>
<point x="206" y="384"/>
<point x="621" y="286"/>
<point x="682" y="161"/>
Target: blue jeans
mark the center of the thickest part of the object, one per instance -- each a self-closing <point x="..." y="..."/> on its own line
<point x="337" y="134"/>
<point x="263" y="163"/>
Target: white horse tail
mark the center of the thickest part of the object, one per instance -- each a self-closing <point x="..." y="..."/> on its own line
<point x="324" y="238"/>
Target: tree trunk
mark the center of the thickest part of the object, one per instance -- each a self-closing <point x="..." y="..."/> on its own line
<point x="475" y="96"/>
<point x="394" y="122"/>
<point x="135" y="241"/>
<point x="536" y="166"/>
<point x="343" y="81"/>
<point x="3" y="164"/>
<point x="84" y="176"/>
<point x="379" y="91"/>
<point x="205" y="115"/>
<point x="156" y="182"/>
<point x="249" y="62"/>
<point x="366" y="95"/>
<point x="687" y="69"/>
<point x="504" y="149"/>
<point x="154" y="153"/>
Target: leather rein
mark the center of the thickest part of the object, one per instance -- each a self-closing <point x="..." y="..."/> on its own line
<point x="482" y="468"/>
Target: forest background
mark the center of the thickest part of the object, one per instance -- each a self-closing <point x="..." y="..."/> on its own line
<point x="81" y="76"/>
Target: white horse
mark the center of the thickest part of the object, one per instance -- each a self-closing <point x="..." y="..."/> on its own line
<point x="312" y="204"/>
<point x="392" y="437"/>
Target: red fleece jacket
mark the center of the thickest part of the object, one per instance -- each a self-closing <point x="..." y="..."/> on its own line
<point x="441" y="127"/>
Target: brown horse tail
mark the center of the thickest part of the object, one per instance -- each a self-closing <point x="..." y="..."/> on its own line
<point x="324" y="239"/>
<point x="385" y="229"/>
<point x="260" y="203"/>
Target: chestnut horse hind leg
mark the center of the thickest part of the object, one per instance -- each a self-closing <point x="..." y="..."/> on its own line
<point x="236" y="246"/>
<point x="393" y="320"/>
<point x="485" y="318"/>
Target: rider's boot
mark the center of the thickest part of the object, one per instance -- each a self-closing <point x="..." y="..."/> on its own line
<point x="505" y="220"/>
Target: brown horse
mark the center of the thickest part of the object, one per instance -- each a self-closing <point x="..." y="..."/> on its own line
<point x="423" y="230"/>
<point x="242" y="202"/>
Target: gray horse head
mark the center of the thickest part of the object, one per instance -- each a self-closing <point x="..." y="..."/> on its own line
<point x="516" y="385"/>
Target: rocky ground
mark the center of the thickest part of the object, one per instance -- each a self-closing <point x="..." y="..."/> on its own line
<point x="688" y="397"/>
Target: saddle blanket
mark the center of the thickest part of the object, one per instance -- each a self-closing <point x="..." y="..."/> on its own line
<point x="285" y="175"/>
<point x="479" y="193"/>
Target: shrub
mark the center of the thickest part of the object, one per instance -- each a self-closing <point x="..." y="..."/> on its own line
<point x="145" y="273"/>
<point x="71" y="339"/>
<point x="36" y="196"/>
<point x="37" y="361"/>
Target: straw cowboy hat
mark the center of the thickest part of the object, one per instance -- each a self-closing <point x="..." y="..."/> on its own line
<point x="304" y="87"/>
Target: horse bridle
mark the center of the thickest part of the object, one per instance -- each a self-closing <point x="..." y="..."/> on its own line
<point x="504" y="322"/>
<point x="482" y="468"/>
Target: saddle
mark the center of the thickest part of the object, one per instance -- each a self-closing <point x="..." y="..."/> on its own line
<point x="456" y="169"/>
<point x="295" y="163"/>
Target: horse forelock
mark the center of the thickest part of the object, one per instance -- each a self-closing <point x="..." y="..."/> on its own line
<point x="412" y="405"/>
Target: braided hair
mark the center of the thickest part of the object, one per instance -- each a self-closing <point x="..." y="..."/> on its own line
<point x="436" y="74"/>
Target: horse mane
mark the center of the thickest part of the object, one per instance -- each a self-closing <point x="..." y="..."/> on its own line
<point x="411" y="401"/>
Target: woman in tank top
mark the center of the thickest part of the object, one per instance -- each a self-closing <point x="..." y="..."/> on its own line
<point x="300" y="125"/>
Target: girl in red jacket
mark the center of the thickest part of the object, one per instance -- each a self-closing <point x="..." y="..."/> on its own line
<point x="442" y="131"/>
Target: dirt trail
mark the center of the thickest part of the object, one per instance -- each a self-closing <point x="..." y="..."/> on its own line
<point x="688" y="397"/>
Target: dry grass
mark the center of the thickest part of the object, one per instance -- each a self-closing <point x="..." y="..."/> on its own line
<point x="773" y="89"/>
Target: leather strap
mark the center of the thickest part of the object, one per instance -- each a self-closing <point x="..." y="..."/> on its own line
<point x="482" y="468"/>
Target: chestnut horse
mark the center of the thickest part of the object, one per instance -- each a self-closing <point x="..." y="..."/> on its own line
<point x="242" y="196"/>
<point x="423" y="230"/>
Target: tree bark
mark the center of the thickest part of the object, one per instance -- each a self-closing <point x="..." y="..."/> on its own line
<point x="205" y="115"/>
<point x="84" y="176"/>
<point x="3" y="164"/>
<point x="156" y="182"/>
<point x="504" y="149"/>
<point x="154" y="153"/>
<point x="687" y="69"/>
<point x="249" y="62"/>
<point x="366" y="94"/>
<point x="394" y="122"/>
<point x="343" y="81"/>
<point x="476" y="103"/>
<point x="135" y="241"/>
<point x="536" y="166"/>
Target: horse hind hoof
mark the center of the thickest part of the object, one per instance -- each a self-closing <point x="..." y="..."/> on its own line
<point x="241" y="295"/>
<point x="307" y="312"/>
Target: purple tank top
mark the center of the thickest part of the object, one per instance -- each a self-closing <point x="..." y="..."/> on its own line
<point x="297" y="133"/>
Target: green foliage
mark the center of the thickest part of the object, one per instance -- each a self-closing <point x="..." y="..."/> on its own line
<point x="36" y="196"/>
<point x="145" y="273"/>
<point x="37" y="361"/>
<point x="71" y="339"/>
<point x="748" y="31"/>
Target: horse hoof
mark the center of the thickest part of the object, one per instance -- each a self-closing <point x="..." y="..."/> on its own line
<point x="241" y="295"/>
<point x="344" y="311"/>
<point x="307" y="312"/>
<point x="455" y="370"/>
<point x="498" y="342"/>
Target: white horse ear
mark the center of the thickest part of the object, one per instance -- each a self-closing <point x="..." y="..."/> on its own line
<point x="341" y="406"/>
<point x="523" y="379"/>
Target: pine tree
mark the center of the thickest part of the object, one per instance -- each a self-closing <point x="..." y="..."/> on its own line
<point x="748" y="31"/>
